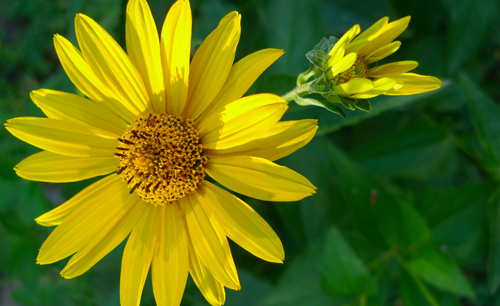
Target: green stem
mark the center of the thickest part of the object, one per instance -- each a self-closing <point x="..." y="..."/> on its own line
<point x="362" y="300"/>
<point x="301" y="90"/>
<point x="423" y="288"/>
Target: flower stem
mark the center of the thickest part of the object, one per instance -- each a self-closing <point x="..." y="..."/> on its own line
<point x="301" y="90"/>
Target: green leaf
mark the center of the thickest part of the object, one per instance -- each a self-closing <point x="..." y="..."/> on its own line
<point x="439" y="270"/>
<point x="313" y="162"/>
<point x="252" y="290"/>
<point x="429" y="148"/>
<point x="470" y="34"/>
<point x="415" y="229"/>
<point x="485" y="115"/>
<point x="317" y="58"/>
<point x="295" y="29"/>
<point x="343" y="273"/>
<point x="378" y="217"/>
<point x="376" y="208"/>
<point x="439" y="206"/>
<point x="493" y="267"/>
<point x="300" y="283"/>
<point x="410" y="293"/>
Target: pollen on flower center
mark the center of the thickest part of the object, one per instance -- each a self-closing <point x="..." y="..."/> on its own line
<point x="357" y="70"/>
<point x="161" y="158"/>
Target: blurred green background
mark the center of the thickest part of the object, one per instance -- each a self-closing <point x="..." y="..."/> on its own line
<point x="407" y="209"/>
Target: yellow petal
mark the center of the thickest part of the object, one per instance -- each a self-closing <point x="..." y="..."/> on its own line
<point x="114" y="232"/>
<point x="343" y="42"/>
<point x="357" y="44"/>
<point x="137" y="256"/>
<point x="176" y="52"/>
<point x="66" y="106"/>
<point x="63" y="137"/>
<point x="363" y="37"/>
<point x="143" y="47"/>
<point x="380" y="86"/>
<point x="112" y="65"/>
<point x="212" y="289"/>
<point x="169" y="269"/>
<point x="95" y="192"/>
<point x="85" y="222"/>
<point x="49" y="167"/>
<point x="382" y="52"/>
<point x="385" y="35"/>
<point x="345" y="63"/>
<point x="209" y="247"/>
<point x="415" y="83"/>
<point x="259" y="178"/>
<point x="281" y="140"/>
<point x="336" y="56"/>
<point x="212" y="63"/>
<point x="353" y="86"/>
<point x="243" y="225"/>
<point x="240" y="119"/>
<point x="242" y="76"/>
<point x="392" y="69"/>
<point x="86" y="80"/>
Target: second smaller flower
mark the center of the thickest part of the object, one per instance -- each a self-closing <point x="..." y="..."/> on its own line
<point x="346" y="71"/>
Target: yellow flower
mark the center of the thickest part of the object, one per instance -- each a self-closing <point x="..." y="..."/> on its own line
<point x="162" y="123"/>
<point x="351" y="58"/>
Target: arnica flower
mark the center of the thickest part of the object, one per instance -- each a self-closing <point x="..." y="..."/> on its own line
<point x="157" y="124"/>
<point x="351" y="64"/>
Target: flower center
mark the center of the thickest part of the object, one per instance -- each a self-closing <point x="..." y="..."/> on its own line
<point x="161" y="158"/>
<point x="357" y="70"/>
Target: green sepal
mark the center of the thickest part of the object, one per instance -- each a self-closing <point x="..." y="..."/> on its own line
<point x="317" y="58"/>
<point x="348" y="103"/>
<point x="304" y="76"/>
<point x="334" y="108"/>
<point x="363" y="104"/>
<point x="326" y="104"/>
<point x="332" y="40"/>
<point x="332" y="97"/>
<point x="321" y="86"/>
<point x="323" y="45"/>
<point x="326" y="44"/>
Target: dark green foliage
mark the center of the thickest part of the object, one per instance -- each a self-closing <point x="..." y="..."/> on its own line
<point x="407" y="210"/>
